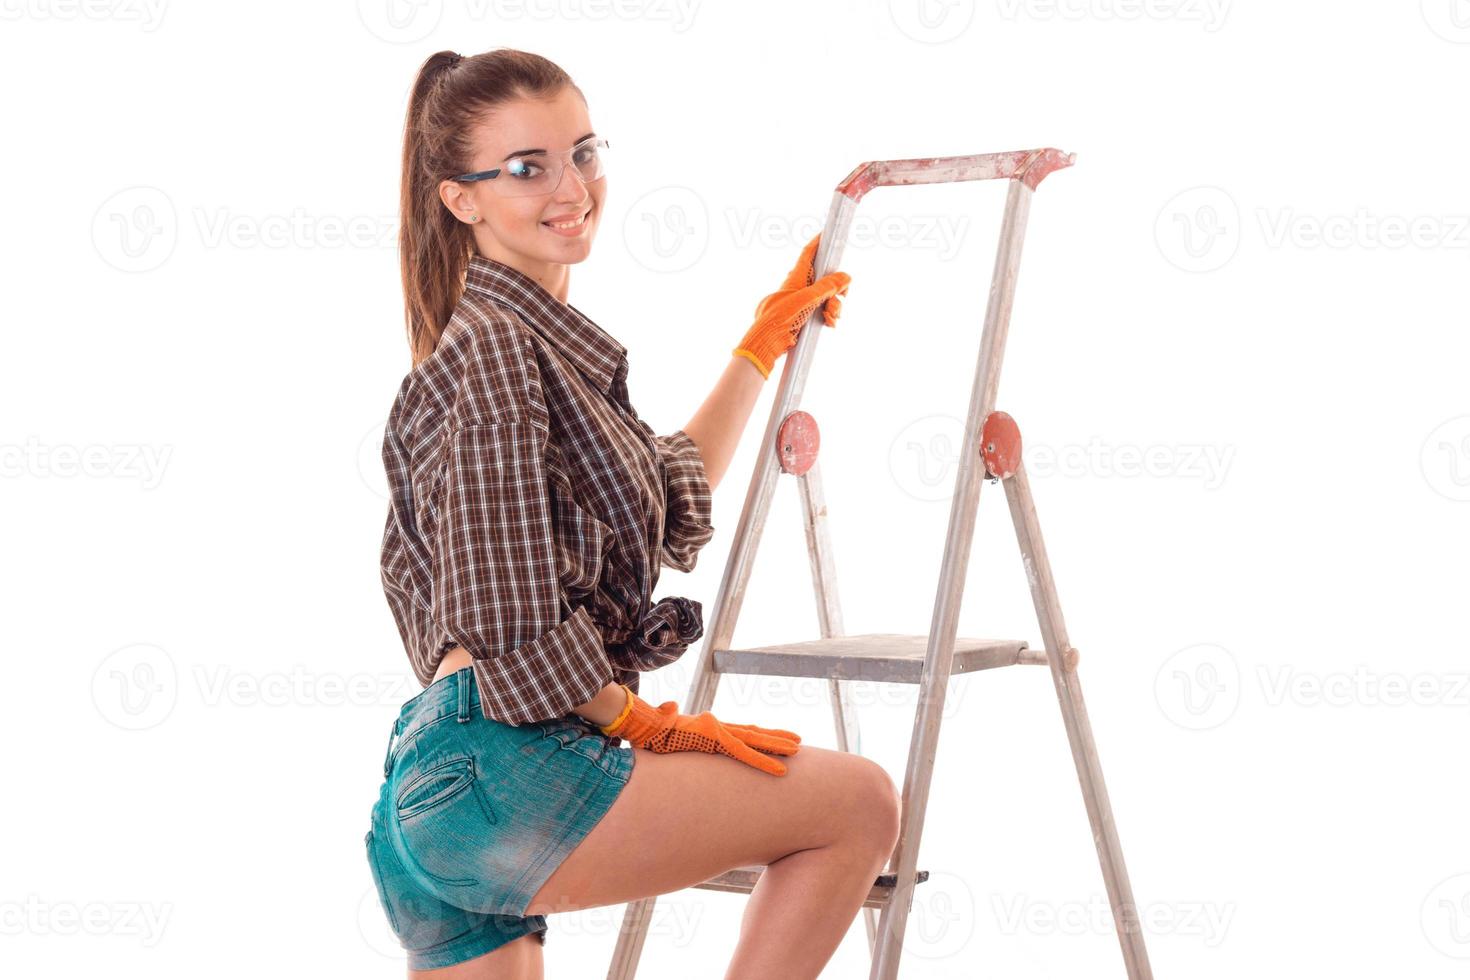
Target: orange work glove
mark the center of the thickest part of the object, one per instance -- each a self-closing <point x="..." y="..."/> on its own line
<point x="663" y="730"/>
<point x="781" y="315"/>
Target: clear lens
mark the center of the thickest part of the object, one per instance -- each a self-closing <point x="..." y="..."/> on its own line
<point x="539" y="173"/>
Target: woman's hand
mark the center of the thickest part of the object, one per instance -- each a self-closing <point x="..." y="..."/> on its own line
<point x="781" y="315"/>
<point x="664" y="729"/>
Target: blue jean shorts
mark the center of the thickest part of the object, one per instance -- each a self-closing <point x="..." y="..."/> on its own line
<point x="474" y="815"/>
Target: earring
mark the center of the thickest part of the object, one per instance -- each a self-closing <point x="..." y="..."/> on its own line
<point x="474" y="217"/>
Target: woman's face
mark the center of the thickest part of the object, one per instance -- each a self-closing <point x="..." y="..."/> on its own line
<point x="517" y="230"/>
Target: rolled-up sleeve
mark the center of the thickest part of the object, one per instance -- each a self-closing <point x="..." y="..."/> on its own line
<point x="687" y="501"/>
<point x="497" y="591"/>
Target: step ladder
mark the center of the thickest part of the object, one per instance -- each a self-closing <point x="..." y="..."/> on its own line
<point x="790" y="445"/>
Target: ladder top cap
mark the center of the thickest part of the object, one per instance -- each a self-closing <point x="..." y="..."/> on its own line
<point x="1030" y="167"/>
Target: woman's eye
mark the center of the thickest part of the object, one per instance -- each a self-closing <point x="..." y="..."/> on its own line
<point x="524" y="169"/>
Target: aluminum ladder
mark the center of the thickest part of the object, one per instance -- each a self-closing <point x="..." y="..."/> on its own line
<point x="789" y="445"/>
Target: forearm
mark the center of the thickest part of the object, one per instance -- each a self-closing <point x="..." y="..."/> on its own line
<point x="717" y="426"/>
<point x="605" y="706"/>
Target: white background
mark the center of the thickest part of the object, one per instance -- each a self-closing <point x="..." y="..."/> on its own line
<point x="1237" y="357"/>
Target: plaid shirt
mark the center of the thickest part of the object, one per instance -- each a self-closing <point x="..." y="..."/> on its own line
<point x="531" y="508"/>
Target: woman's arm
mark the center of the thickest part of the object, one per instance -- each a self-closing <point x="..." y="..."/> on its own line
<point x="717" y="426"/>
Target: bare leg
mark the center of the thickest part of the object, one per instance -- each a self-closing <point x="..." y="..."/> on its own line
<point x="801" y="909"/>
<point x="824" y="830"/>
<point x="519" y="959"/>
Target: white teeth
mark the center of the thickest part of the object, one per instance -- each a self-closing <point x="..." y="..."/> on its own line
<point x="570" y="224"/>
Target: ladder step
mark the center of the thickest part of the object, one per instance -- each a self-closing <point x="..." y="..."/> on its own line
<point x="893" y="658"/>
<point x="743" y="880"/>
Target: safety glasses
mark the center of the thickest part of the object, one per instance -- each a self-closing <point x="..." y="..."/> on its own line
<point x="540" y="172"/>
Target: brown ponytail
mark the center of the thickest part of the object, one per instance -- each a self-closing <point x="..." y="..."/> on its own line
<point x="449" y="95"/>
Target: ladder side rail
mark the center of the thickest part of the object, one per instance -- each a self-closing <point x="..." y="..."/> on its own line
<point x="939" y="656"/>
<point x="1063" y="663"/>
<point x="822" y="558"/>
<point x="730" y="596"/>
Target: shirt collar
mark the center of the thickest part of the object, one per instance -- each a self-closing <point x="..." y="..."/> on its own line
<point x="590" y="348"/>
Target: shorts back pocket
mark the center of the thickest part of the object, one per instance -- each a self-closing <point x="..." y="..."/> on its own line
<point x="443" y="815"/>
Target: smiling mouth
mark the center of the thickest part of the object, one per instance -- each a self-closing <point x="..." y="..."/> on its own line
<point x="570" y="222"/>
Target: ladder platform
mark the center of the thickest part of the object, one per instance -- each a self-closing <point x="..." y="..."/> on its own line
<point x="743" y="880"/>
<point x="893" y="658"/>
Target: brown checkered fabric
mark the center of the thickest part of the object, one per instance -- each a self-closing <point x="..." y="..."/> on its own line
<point x="531" y="509"/>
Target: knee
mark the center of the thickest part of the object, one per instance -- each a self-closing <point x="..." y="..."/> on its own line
<point x="881" y="805"/>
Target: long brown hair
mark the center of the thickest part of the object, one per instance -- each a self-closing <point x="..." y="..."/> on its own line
<point x="449" y="96"/>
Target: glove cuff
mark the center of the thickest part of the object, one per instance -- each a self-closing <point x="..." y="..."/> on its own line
<point x="611" y="727"/>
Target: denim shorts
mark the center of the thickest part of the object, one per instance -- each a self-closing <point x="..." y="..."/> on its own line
<point x="474" y="815"/>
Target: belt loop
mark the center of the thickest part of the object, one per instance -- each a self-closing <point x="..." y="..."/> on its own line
<point x="465" y="679"/>
<point x="392" y="744"/>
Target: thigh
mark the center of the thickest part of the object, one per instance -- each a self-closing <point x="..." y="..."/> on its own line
<point x="519" y="959"/>
<point x="685" y="817"/>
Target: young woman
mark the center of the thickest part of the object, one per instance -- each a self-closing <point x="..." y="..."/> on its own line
<point x="531" y="511"/>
